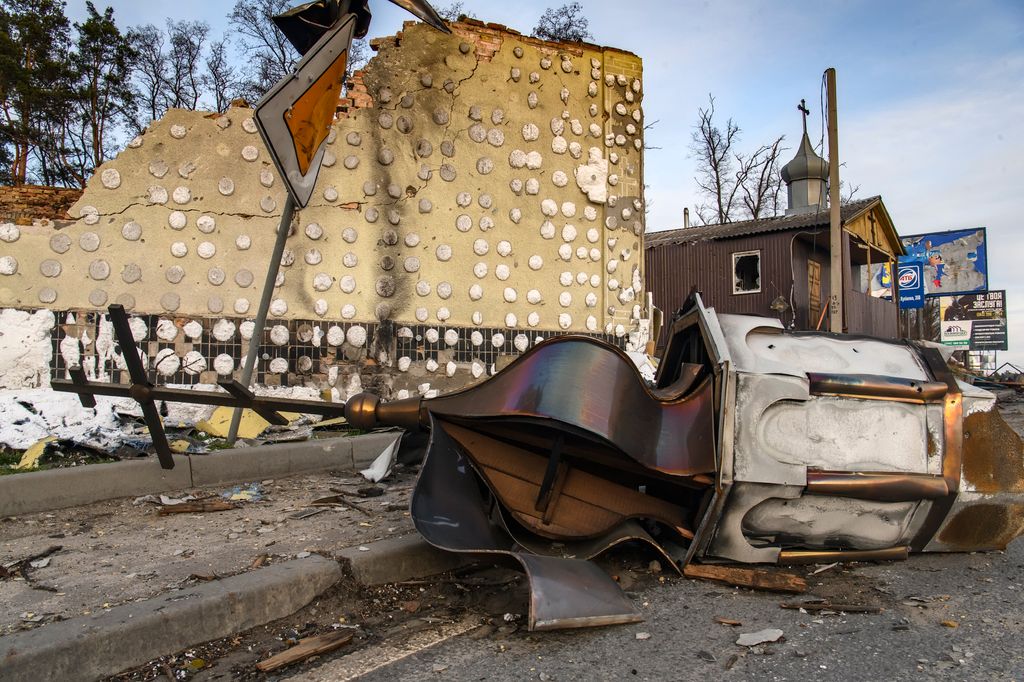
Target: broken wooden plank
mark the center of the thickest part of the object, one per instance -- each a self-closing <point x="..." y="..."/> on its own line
<point x="306" y="648"/>
<point x="197" y="507"/>
<point x="826" y="606"/>
<point x="754" y="578"/>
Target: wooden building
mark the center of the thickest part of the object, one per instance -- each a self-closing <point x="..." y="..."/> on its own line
<point x="780" y="266"/>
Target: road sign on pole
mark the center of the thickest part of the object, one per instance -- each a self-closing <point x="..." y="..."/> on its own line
<point x="295" y="116"/>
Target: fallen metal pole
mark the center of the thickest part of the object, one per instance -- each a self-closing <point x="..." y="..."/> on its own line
<point x="256" y="340"/>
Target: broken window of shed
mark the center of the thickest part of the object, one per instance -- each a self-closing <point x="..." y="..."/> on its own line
<point x="746" y="272"/>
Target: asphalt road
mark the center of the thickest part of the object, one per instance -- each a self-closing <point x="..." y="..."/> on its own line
<point x="949" y="616"/>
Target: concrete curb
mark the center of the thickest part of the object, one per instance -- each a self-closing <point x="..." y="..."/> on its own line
<point x="286" y="459"/>
<point x="36" y="491"/>
<point x="60" y="488"/>
<point x="91" y="647"/>
<point x="397" y="559"/>
<point x="88" y="648"/>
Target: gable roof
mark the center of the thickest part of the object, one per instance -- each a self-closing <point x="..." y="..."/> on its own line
<point x="848" y="213"/>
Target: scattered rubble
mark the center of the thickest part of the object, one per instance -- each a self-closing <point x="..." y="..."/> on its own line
<point x="765" y="636"/>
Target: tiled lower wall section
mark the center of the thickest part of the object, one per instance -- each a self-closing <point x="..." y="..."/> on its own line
<point x="388" y="358"/>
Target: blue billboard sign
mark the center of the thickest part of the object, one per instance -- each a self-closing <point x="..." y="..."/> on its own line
<point x="955" y="262"/>
<point x="910" y="276"/>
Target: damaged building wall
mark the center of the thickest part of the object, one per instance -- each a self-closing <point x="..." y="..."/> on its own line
<point x="483" y="190"/>
<point x="24" y="204"/>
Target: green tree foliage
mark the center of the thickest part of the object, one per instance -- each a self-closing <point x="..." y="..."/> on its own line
<point x="62" y="99"/>
<point x="102" y="97"/>
<point x="563" y="24"/>
<point x="35" y="81"/>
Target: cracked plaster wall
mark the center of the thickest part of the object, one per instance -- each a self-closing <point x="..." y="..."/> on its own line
<point x="491" y="191"/>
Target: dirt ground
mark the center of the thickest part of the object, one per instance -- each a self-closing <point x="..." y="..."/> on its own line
<point x="124" y="550"/>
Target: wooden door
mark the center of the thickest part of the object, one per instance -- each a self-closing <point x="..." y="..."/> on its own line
<point x="813" y="293"/>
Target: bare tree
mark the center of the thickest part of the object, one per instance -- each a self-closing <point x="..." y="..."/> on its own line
<point x="733" y="185"/>
<point x="847" y="191"/>
<point x="151" y="74"/>
<point x="270" y="54"/>
<point x="453" y="11"/>
<point x="185" y="61"/>
<point x="358" y="55"/>
<point x="712" y="147"/>
<point x="563" y="24"/>
<point x="220" y="75"/>
<point x="759" y="179"/>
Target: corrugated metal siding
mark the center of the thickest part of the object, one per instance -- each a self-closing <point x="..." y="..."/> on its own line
<point x="673" y="270"/>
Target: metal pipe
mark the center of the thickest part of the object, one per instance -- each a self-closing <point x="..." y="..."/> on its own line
<point x="801" y="556"/>
<point x="876" y="387"/>
<point x="261" y="314"/>
<point x="878" y="486"/>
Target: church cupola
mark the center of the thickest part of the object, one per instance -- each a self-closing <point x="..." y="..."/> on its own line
<point x="806" y="176"/>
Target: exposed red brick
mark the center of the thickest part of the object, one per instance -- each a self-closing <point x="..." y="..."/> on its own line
<point x="24" y="203"/>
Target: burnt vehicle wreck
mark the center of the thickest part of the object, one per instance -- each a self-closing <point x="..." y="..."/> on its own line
<point x="754" y="445"/>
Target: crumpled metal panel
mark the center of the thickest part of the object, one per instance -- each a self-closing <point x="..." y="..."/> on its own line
<point x="822" y="522"/>
<point x="758" y="345"/>
<point x="451" y="508"/>
<point x="671" y="435"/>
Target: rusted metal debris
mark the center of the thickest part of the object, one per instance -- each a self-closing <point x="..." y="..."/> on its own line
<point x="754" y="578"/>
<point x="755" y="445"/>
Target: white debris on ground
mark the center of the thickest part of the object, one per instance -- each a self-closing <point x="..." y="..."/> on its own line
<point x="384" y="462"/>
<point x="28" y="415"/>
<point x="25" y="348"/>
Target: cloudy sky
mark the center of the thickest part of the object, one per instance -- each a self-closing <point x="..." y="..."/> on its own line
<point x="931" y="97"/>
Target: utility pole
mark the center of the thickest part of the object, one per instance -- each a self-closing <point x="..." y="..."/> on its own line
<point x="837" y="263"/>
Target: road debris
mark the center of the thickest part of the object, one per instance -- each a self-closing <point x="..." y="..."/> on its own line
<point x="19" y="567"/>
<point x="200" y="507"/>
<point x="244" y="493"/>
<point x="30" y="458"/>
<point x="728" y="621"/>
<point x="824" y="568"/>
<point x="306" y="513"/>
<point x="306" y="648"/>
<point x="643" y="635"/>
<point x="760" y="637"/>
<point x="754" y="578"/>
<point x="382" y="465"/>
<point x="827" y="606"/>
<point x="340" y="497"/>
<point x="217" y="425"/>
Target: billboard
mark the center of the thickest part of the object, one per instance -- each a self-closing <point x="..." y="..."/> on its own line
<point x="974" y="321"/>
<point x="955" y="262"/>
<point x="910" y="275"/>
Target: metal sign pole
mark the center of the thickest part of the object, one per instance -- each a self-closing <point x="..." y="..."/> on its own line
<point x="256" y="340"/>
